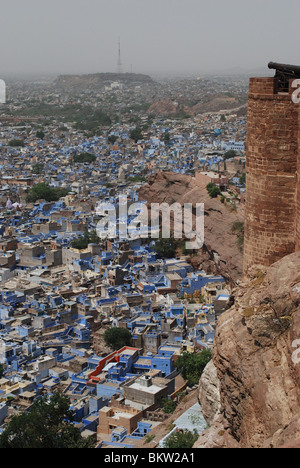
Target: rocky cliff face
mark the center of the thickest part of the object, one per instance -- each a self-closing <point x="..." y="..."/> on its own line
<point x="221" y="253"/>
<point x="256" y="365"/>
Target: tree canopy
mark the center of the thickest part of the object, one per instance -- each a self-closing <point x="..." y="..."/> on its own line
<point x="17" y="143"/>
<point x="84" y="158"/>
<point x="166" y="138"/>
<point x="48" y="424"/>
<point x="192" y="365"/>
<point x="43" y="191"/>
<point x="112" y="139"/>
<point x="88" y="238"/>
<point x="40" y="134"/>
<point x="37" y="168"/>
<point x="136" y="134"/>
<point x="243" y="179"/>
<point x="213" y="190"/>
<point x="166" y="248"/>
<point x="182" y="440"/>
<point x="230" y="154"/>
<point x="117" y="338"/>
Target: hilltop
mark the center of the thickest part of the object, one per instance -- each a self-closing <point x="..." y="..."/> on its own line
<point x="94" y="81"/>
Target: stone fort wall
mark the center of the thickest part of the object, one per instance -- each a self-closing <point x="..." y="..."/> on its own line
<point x="272" y="227"/>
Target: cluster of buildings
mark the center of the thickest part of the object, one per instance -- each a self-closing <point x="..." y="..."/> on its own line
<point x="53" y="159"/>
<point x="56" y="301"/>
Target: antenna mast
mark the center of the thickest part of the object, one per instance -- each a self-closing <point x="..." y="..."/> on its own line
<point x="119" y="69"/>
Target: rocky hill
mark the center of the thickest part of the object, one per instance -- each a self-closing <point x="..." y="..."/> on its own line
<point x="164" y="107"/>
<point x="250" y="392"/>
<point x="217" y="103"/>
<point x="221" y="253"/>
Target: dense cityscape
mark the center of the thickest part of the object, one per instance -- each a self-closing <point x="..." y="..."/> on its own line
<point x="149" y="227"/>
<point x="64" y="148"/>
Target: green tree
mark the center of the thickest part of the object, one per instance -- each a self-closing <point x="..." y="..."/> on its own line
<point x="40" y="134"/>
<point x="169" y="406"/>
<point x="37" y="168"/>
<point x="166" y="248"/>
<point x="84" y="158"/>
<point x="213" y="190"/>
<point x="112" y="139"/>
<point x="117" y="338"/>
<point x="166" y="138"/>
<point x="1" y="371"/>
<point x="137" y="179"/>
<point x="192" y="365"/>
<point x="94" y="239"/>
<point x="182" y="440"/>
<point x="80" y="244"/>
<point x="48" y="424"/>
<point x="230" y="154"/>
<point x="91" y="120"/>
<point x="136" y="134"/>
<point x="17" y="143"/>
<point x="43" y="191"/>
<point x="243" y="179"/>
<point x="83" y="241"/>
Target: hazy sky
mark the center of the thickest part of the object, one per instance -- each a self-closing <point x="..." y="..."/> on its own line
<point x="157" y="36"/>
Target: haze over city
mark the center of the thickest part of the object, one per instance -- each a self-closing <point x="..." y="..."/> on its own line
<point x="157" y="36"/>
<point x="149" y="226"/>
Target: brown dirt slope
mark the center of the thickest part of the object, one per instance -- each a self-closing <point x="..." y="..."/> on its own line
<point x="221" y="254"/>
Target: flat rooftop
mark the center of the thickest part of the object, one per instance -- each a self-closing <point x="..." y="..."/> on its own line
<point x="129" y="352"/>
<point x="152" y="389"/>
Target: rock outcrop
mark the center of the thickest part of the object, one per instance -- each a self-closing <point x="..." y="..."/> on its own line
<point x="164" y="107"/>
<point x="221" y="253"/>
<point x="257" y="360"/>
<point x="215" y="104"/>
<point x="209" y="394"/>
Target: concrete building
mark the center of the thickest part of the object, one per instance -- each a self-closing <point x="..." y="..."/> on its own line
<point x="114" y="417"/>
<point x="146" y="390"/>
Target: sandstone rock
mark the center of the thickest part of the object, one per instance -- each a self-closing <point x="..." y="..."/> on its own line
<point x="209" y="393"/>
<point x="218" y="436"/>
<point x="254" y="355"/>
<point x="215" y="104"/>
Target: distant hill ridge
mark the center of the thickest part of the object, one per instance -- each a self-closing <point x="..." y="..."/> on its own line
<point x="100" y="79"/>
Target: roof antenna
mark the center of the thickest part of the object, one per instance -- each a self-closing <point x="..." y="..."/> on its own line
<point x="119" y="69"/>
